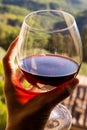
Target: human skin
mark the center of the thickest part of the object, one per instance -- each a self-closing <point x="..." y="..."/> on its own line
<point x="27" y="109"/>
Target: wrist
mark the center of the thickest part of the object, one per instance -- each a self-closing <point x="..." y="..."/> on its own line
<point x="31" y="125"/>
<point x="28" y="123"/>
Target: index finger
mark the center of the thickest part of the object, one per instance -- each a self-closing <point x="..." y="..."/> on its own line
<point x="8" y="59"/>
<point x="60" y="93"/>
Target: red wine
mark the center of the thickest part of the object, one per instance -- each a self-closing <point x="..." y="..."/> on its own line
<point x="48" y="69"/>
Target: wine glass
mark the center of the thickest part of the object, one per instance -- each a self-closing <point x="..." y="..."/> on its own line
<point x="50" y="54"/>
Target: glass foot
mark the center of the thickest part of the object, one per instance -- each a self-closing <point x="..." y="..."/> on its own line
<point x="60" y="119"/>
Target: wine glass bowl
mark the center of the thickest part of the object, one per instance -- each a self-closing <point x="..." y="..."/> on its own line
<point x="49" y="50"/>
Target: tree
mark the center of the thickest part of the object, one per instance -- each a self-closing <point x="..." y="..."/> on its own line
<point x="84" y="42"/>
<point x="7" y="35"/>
<point x="55" y="43"/>
<point x="68" y="45"/>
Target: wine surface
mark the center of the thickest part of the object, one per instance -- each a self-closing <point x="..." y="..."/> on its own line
<point x="48" y="69"/>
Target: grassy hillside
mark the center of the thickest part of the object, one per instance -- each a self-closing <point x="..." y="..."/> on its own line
<point x="11" y="18"/>
<point x="72" y="6"/>
<point x="11" y="9"/>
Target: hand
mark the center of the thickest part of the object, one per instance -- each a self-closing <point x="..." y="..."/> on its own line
<point x="28" y="110"/>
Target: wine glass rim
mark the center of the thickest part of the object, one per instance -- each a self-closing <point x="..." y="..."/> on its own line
<point x="53" y="31"/>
